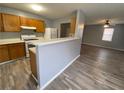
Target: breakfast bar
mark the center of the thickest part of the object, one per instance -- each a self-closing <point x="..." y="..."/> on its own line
<point x="53" y="57"/>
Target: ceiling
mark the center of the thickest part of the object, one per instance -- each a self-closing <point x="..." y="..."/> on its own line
<point x="94" y="13"/>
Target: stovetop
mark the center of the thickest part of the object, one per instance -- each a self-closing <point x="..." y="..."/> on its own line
<point x="30" y="39"/>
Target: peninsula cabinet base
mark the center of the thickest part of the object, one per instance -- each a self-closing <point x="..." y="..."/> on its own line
<point x="33" y="64"/>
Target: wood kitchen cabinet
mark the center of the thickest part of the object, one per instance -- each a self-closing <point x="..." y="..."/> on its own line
<point x="39" y="24"/>
<point x="1" y="25"/>
<point x="11" y="23"/>
<point x="4" y="54"/>
<point x="12" y="51"/>
<point x="26" y="21"/>
<point x="33" y="63"/>
<point x="16" y="50"/>
<point x="23" y="21"/>
<point x="73" y="24"/>
<point x="31" y="22"/>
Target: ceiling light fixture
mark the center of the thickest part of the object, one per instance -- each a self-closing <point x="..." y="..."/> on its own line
<point x="107" y="23"/>
<point x="36" y="7"/>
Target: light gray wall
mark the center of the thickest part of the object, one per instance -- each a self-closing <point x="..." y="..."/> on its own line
<point x="67" y="19"/>
<point x="93" y="35"/>
<point x="8" y="35"/>
<point x="80" y="22"/>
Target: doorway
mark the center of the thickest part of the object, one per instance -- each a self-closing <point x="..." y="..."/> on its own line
<point x="65" y="29"/>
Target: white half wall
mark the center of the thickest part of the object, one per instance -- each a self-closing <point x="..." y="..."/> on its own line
<point x="53" y="59"/>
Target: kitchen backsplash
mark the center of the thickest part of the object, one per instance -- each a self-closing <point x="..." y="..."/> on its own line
<point x="11" y="35"/>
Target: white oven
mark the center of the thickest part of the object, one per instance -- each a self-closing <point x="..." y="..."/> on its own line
<point x="28" y="39"/>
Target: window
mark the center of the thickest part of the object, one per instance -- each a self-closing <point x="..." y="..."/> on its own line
<point x="108" y="33"/>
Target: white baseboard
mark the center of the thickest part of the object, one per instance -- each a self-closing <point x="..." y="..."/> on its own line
<point x="103" y="46"/>
<point x="58" y="73"/>
<point x="34" y="77"/>
<point x="10" y="61"/>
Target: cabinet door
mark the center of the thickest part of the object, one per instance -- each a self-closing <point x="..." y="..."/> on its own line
<point x="73" y="24"/>
<point x="11" y="23"/>
<point x="31" y="22"/>
<point x="24" y="21"/>
<point x="4" y="55"/>
<point x="1" y="25"/>
<point x="27" y="21"/>
<point x="16" y="50"/>
<point x="33" y="63"/>
<point x="40" y="26"/>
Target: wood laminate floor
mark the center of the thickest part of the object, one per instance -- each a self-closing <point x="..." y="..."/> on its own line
<point x="96" y="68"/>
<point x="17" y="76"/>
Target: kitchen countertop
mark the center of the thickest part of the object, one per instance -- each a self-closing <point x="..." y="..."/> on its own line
<point x="51" y="41"/>
<point x="48" y="41"/>
<point x="10" y="41"/>
<point x="15" y="40"/>
<point x="33" y="50"/>
<point x="41" y="41"/>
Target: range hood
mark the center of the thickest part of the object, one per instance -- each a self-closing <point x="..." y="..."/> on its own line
<point x="28" y="27"/>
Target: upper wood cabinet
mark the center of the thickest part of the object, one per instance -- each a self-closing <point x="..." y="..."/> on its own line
<point x="73" y="24"/>
<point x="1" y="25"/>
<point x="31" y="22"/>
<point x="39" y="24"/>
<point x="26" y="21"/>
<point x="11" y="23"/>
<point x="4" y="54"/>
<point x="23" y="21"/>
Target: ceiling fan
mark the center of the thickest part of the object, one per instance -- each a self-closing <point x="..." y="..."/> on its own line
<point x="107" y="23"/>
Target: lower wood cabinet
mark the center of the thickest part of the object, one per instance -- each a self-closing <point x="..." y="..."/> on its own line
<point x="12" y="51"/>
<point x="16" y="50"/>
<point x="4" y="54"/>
<point x="33" y="63"/>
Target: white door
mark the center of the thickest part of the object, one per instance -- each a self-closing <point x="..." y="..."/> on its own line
<point x="47" y="34"/>
<point x="54" y="33"/>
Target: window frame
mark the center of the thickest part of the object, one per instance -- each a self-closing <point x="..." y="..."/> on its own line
<point x="108" y="36"/>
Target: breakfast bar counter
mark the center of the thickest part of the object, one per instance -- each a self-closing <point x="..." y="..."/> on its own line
<point x="53" y="57"/>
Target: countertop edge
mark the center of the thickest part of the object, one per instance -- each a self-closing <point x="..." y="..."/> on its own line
<point x="54" y="42"/>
